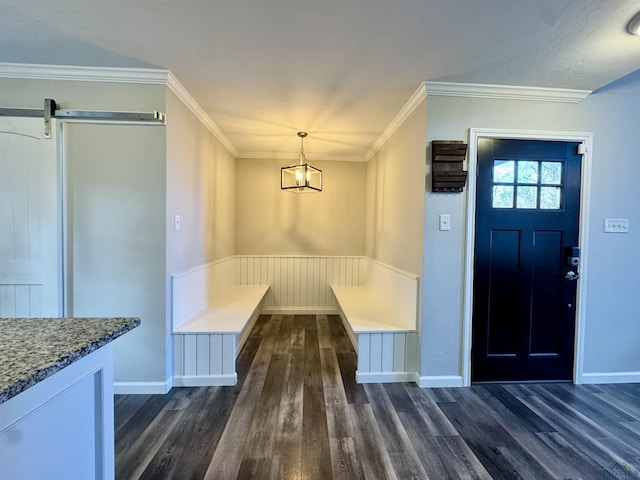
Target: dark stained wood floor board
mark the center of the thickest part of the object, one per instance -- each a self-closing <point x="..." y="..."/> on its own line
<point x="395" y="437"/>
<point x="628" y="405"/>
<point x="570" y="459"/>
<point x="143" y="451"/>
<point x="341" y="341"/>
<point x="598" y="424"/>
<point x="141" y="421"/>
<point x="288" y="441"/>
<point x="296" y="413"/>
<point x="523" y="414"/>
<point x="370" y="447"/>
<point x="478" y="435"/>
<point x="584" y="401"/>
<point x="460" y="460"/>
<point x="127" y="406"/>
<point x="589" y="447"/>
<point x="316" y="454"/>
<point x="435" y="420"/>
<point x="197" y="455"/>
<point x="325" y="339"/>
<point x="261" y="437"/>
<point x="283" y="340"/>
<point x="428" y="449"/>
<point x="344" y="459"/>
<point x="227" y="459"/>
<point x="185" y="440"/>
<point x="354" y="391"/>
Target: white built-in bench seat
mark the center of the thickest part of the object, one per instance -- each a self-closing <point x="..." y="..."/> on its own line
<point x="212" y="318"/>
<point x="229" y="311"/>
<point x="380" y="315"/>
<point x="367" y="312"/>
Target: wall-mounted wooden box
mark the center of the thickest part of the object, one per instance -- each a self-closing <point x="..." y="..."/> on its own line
<point x="447" y="157"/>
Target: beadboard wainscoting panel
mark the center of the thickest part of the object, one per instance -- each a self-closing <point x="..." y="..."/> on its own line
<point x="364" y="352"/>
<point x="215" y="361"/>
<point x="299" y="282"/>
<point x="400" y="346"/>
<point x="204" y="359"/>
<point x="190" y="355"/>
<point x="387" y="354"/>
<point x="20" y="300"/>
<point x="383" y="357"/>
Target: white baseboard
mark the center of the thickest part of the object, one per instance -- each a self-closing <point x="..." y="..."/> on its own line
<point x="150" y="388"/>
<point x="610" y="377"/>
<point x="300" y="311"/>
<point x="440" y="381"/>
<point x="227" y="380"/>
<point x="385" y="377"/>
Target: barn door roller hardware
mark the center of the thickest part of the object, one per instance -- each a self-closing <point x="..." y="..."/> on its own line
<point x="447" y="157"/>
<point x="52" y="110"/>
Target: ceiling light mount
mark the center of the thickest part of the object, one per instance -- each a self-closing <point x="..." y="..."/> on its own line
<point x="633" y="27"/>
<point x="301" y="177"/>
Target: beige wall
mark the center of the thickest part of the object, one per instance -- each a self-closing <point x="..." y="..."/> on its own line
<point x="395" y="193"/>
<point x="76" y="95"/>
<point x="115" y="226"/>
<point x="270" y="221"/>
<point x="200" y="189"/>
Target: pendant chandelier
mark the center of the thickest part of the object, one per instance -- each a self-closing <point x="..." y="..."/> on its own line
<point x="301" y="177"/>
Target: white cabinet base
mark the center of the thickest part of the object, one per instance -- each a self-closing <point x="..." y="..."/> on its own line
<point x="62" y="427"/>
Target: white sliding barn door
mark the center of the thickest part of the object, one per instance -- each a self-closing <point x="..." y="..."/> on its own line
<point x="29" y="237"/>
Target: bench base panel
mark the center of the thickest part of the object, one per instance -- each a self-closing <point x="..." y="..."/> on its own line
<point x="383" y="357"/>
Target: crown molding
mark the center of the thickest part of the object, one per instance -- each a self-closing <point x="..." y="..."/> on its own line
<point x="418" y="96"/>
<point x="293" y="157"/>
<point x="475" y="90"/>
<point x="149" y="76"/>
<point x="185" y="97"/>
<point x="506" y="92"/>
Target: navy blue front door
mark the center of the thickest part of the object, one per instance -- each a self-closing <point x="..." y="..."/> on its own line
<point x="527" y="217"/>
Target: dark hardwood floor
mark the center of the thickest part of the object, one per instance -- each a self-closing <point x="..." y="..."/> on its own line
<point x="297" y="413"/>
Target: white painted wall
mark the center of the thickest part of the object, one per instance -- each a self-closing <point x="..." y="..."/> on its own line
<point x="395" y="193"/>
<point x="612" y="334"/>
<point x="270" y="221"/>
<point x="115" y="231"/>
<point x="200" y="188"/>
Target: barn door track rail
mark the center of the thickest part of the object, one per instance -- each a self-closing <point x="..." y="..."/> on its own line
<point x="52" y="110"/>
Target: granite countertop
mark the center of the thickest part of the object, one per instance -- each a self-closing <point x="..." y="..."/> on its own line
<point x="32" y="349"/>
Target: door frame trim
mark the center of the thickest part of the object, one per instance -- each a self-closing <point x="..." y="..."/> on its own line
<point x="586" y="138"/>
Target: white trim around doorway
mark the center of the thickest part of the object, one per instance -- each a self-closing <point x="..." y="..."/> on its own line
<point x="585" y="194"/>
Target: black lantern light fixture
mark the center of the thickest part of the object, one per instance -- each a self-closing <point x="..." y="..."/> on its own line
<point x="301" y="177"/>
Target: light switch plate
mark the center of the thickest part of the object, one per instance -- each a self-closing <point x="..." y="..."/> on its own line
<point x="176" y="222"/>
<point x="445" y="222"/>
<point x="616" y="225"/>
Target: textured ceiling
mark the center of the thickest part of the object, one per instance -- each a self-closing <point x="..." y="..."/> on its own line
<point x="340" y="69"/>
